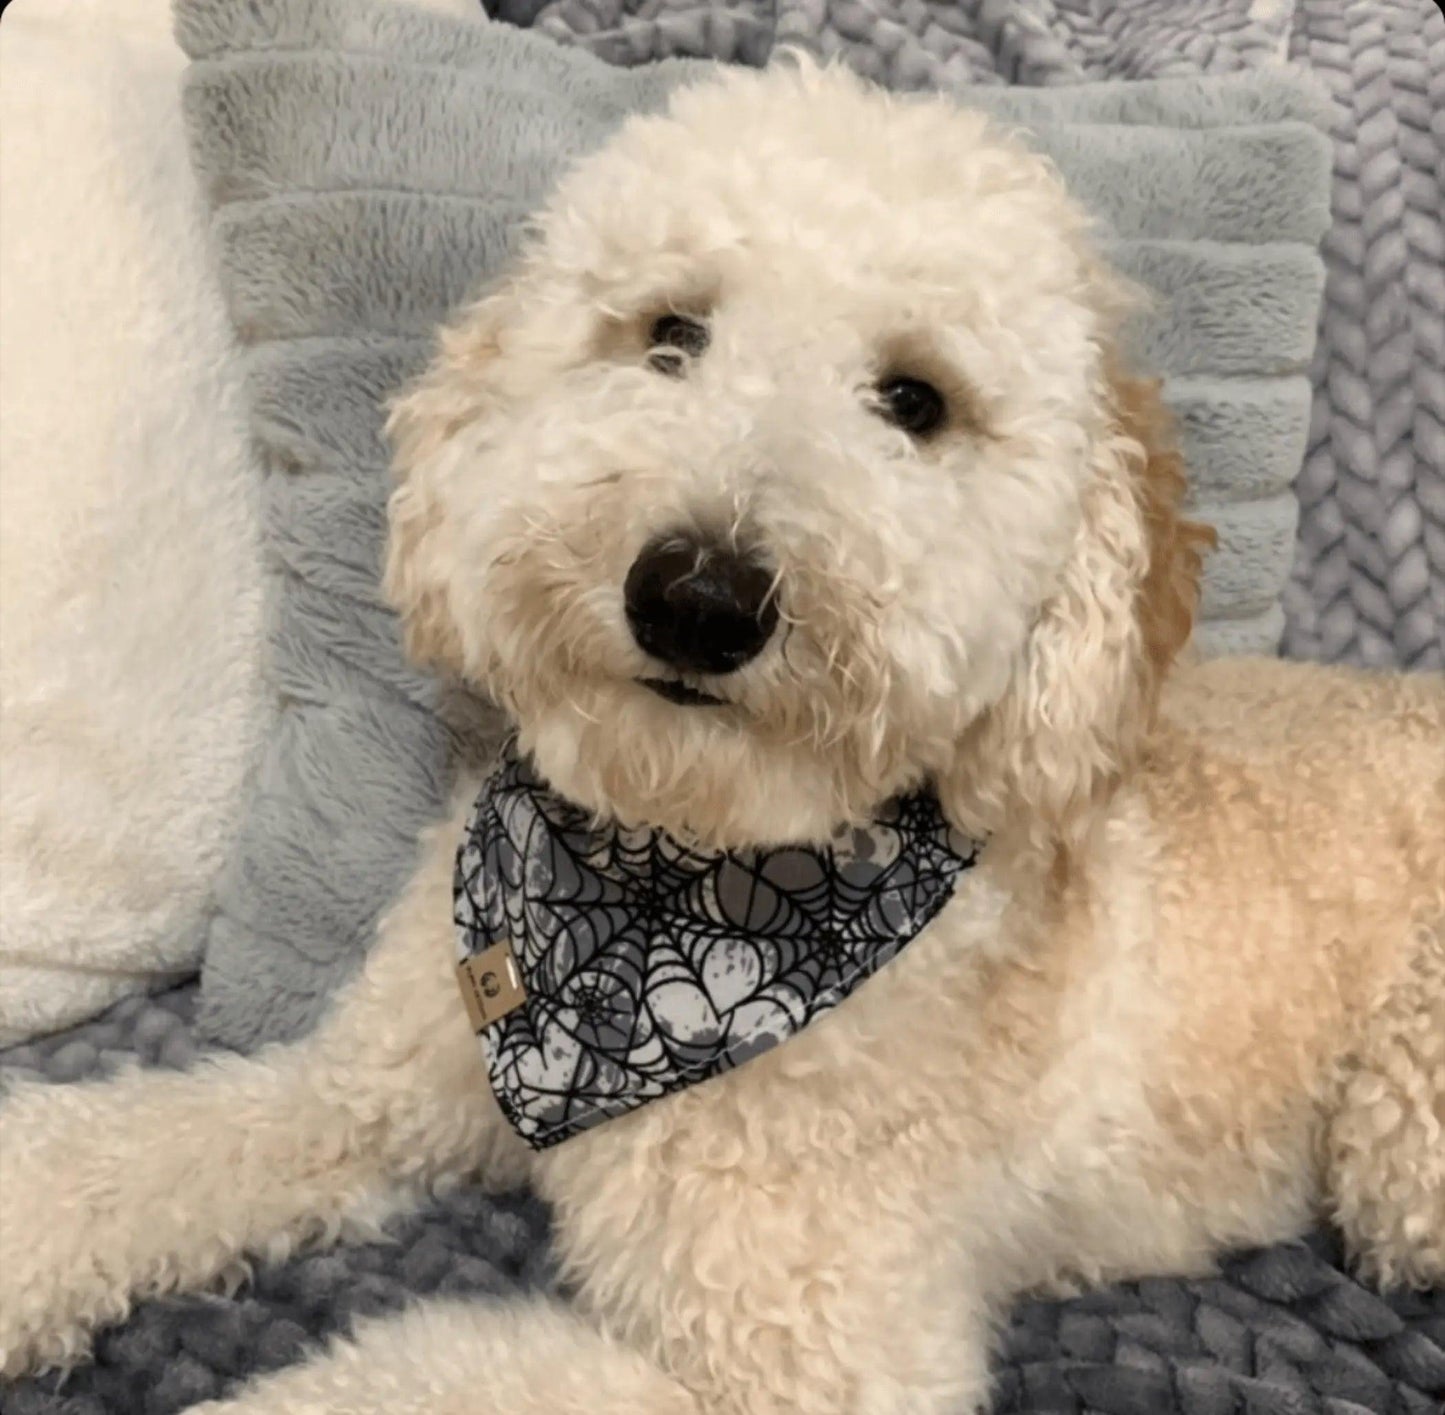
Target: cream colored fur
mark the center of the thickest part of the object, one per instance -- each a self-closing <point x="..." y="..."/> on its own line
<point x="1190" y="998"/>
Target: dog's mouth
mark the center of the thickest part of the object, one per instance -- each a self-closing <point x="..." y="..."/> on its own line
<point x="681" y="693"/>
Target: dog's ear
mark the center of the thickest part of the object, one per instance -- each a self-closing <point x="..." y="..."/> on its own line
<point x="424" y="417"/>
<point x="1083" y="696"/>
<point x="1175" y="546"/>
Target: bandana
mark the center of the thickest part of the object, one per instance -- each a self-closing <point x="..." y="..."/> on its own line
<point x="607" y="967"/>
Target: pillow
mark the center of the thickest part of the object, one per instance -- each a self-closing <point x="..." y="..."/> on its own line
<point x="368" y="167"/>
<point x="131" y="604"/>
<point x="132" y="636"/>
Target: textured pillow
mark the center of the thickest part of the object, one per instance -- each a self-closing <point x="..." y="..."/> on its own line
<point x="368" y="167"/>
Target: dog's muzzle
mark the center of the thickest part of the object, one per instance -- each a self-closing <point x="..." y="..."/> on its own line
<point x="699" y="606"/>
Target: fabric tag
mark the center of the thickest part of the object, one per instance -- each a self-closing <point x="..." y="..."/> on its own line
<point x="491" y="986"/>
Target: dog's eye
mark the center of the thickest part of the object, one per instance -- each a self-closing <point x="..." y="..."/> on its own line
<point x="680" y="331"/>
<point x="910" y="403"/>
<point x="674" y="338"/>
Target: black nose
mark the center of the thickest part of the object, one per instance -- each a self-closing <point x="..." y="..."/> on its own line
<point x="698" y="605"/>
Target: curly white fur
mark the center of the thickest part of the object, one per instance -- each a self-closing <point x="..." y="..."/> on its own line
<point x="1188" y="999"/>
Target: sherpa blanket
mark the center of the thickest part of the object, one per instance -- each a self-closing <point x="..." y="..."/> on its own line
<point x="1280" y="1332"/>
<point x="1368" y="584"/>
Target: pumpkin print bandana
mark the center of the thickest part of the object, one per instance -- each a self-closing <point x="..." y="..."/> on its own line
<point x="647" y="965"/>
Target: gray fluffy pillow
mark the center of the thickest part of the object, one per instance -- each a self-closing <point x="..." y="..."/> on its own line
<point x="368" y="166"/>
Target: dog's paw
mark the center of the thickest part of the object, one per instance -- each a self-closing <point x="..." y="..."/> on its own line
<point x="63" y="1246"/>
<point x="29" y="1351"/>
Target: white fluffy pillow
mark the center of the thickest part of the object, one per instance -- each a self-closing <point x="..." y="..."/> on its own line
<point x="131" y="693"/>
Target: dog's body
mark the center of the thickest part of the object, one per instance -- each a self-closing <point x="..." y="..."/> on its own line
<point x="1192" y="996"/>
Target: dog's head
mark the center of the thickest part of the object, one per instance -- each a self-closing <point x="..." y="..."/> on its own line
<point x="790" y="467"/>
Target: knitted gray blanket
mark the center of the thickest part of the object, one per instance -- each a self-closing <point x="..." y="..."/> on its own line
<point x="1369" y="577"/>
<point x="1283" y="1331"/>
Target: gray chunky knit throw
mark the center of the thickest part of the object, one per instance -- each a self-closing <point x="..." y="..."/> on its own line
<point x="1284" y="1331"/>
<point x="1369" y="577"/>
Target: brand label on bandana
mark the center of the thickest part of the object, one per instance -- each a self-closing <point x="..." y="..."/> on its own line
<point x="606" y="968"/>
<point x="491" y="986"/>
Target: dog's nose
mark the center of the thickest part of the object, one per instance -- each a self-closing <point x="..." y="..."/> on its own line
<point x="698" y="605"/>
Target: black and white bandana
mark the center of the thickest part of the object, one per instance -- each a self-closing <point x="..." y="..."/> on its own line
<point x="650" y="966"/>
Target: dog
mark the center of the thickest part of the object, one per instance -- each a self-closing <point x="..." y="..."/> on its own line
<point x="793" y="468"/>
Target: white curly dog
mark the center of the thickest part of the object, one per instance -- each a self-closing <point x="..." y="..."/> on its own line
<point x="853" y="355"/>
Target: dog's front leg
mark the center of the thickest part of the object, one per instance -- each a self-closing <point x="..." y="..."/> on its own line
<point x="532" y="1357"/>
<point x="156" y="1181"/>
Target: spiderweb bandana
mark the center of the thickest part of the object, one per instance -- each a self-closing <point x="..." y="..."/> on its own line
<point x="607" y="967"/>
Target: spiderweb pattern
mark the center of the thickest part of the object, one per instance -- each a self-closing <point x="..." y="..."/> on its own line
<point x="650" y="965"/>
